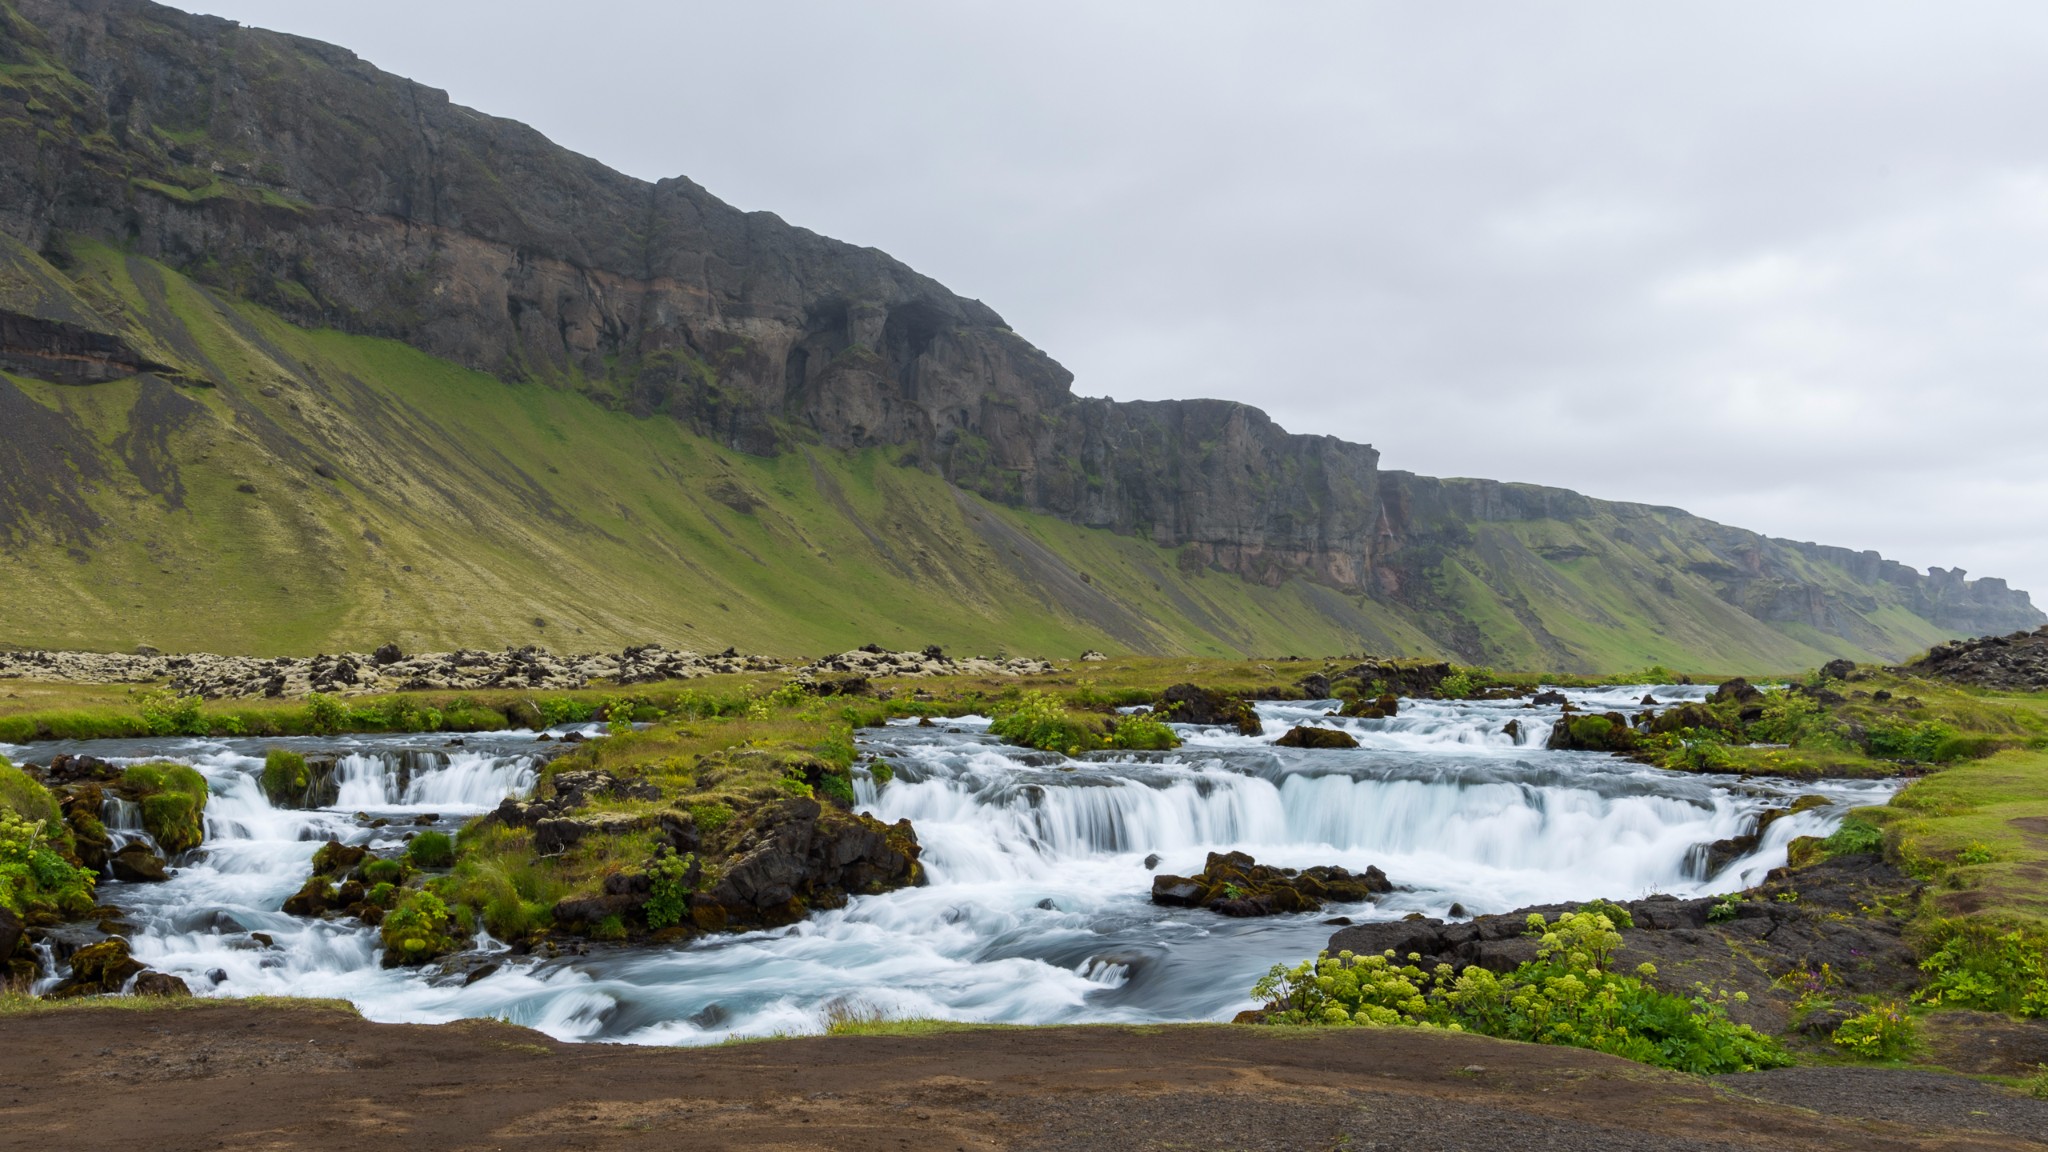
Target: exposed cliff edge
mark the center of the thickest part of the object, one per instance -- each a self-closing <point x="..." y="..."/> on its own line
<point x="295" y="176"/>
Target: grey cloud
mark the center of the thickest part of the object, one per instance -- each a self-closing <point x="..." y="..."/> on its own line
<point x="1780" y="265"/>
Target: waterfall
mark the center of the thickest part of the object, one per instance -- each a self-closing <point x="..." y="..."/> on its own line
<point x="1037" y="909"/>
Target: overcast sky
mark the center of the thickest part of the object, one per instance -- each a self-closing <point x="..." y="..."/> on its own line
<point x="1785" y="266"/>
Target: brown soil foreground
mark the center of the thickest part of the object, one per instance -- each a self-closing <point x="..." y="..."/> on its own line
<point x="243" y="1077"/>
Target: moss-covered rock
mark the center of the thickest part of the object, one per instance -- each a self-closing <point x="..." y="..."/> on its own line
<point x="1234" y="884"/>
<point x="1310" y="737"/>
<point x="348" y="881"/>
<point x="1379" y="707"/>
<point x="1594" y="732"/>
<point x="1209" y="707"/>
<point x="40" y="877"/>
<point x="173" y="802"/>
<point x="98" y="970"/>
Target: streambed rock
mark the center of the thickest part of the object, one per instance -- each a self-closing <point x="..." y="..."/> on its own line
<point x="136" y="864"/>
<point x="1210" y="708"/>
<point x="1721" y="853"/>
<point x="1308" y="736"/>
<point x="98" y="970"/>
<point x="1234" y="884"/>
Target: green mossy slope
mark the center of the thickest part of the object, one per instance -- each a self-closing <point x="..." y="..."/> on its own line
<point x="284" y="490"/>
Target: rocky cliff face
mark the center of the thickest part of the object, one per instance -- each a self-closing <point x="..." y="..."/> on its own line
<point x="293" y="174"/>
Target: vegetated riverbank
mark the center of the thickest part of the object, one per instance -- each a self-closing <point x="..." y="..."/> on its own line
<point x="244" y="1075"/>
<point x="728" y="766"/>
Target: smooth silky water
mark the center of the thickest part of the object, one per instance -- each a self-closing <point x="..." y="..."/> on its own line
<point x="1038" y="908"/>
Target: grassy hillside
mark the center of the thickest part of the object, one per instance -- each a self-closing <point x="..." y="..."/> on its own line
<point x="396" y="496"/>
<point x="283" y="490"/>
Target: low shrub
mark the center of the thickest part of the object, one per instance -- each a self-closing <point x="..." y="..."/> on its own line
<point x="431" y="850"/>
<point x="1141" y="733"/>
<point x="1885" y="1032"/>
<point x="325" y="715"/>
<point x="1925" y="741"/>
<point x="36" y="878"/>
<point x="1975" y="964"/>
<point x="559" y="710"/>
<point x="1039" y="720"/>
<point x="1854" y="837"/>
<point x="417" y="930"/>
<point x="670" y="902"/>
<point x="710" y="816"/>
<point x="382" y="870"/>
<point x="1798" y="720"/>
<point x="167" y="713"/>
<point x="1567" y="995"/>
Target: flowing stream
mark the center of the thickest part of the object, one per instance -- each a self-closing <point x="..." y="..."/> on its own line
<point x="1038" y="908"/>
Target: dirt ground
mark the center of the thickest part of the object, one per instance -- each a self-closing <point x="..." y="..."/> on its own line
<point x="254" y="1077"/>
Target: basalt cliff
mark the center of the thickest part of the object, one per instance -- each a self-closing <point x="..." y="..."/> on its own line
<point x="255" y="295"/>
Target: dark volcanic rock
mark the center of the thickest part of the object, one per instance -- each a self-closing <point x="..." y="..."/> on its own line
<point x="1191" y="704"/>
<point x="161" y="984"/>
<point x="1592" y="732"/>
<point x="1378" y="708"/>
<point x="797" y="855"/>
<point x="136" y="864"/>
<point x="2014" y="663"/>
<point x="1737" y="690"/>
<point x="1310" y="737"/>
<point x="1234" y="884"/>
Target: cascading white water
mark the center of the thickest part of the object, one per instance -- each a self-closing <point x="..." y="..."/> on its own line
<point x="1037" y="908"/>
<point x="459" y="782"/>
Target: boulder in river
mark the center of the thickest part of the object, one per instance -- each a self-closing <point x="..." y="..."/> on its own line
<point x="1381" y="707"/>
<point x="1592" y="732"/>
<point x="1306" y="736"/>
<point x="162" y="985"/>
<point x="136" y="864"/>
<point x="1209" y="707"/>
<point x="1234" y="884"/>
<point x="98" y="970"/>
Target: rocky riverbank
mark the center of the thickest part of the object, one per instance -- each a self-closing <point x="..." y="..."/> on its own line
<point x="389" y="669"/>
<point x="1800" y="949"/>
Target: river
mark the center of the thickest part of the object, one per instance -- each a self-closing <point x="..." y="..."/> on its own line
<point x="1037" y="908"/>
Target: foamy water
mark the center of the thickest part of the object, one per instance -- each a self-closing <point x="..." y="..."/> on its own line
<point x="1038" y="908"/>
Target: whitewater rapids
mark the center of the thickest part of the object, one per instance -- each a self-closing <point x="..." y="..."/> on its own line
<point x="1037" y="910"/>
